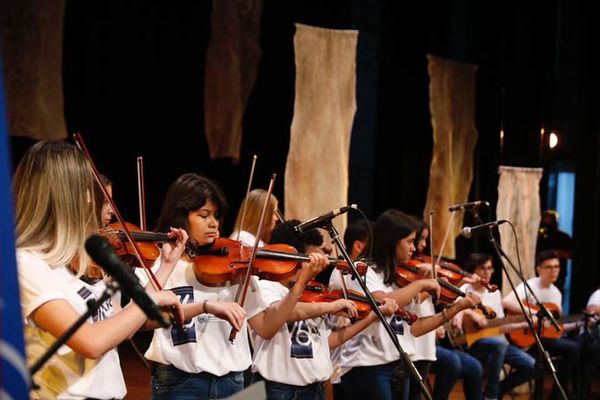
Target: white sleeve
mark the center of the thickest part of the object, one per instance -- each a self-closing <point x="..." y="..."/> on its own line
<point x="511" y="295"/>
<point x="255" y="302"/>
<point x="594" y="299"/>
<point x="37" y="282"/>
<point x="374" y="282"/>
<point x="143" y="275"/>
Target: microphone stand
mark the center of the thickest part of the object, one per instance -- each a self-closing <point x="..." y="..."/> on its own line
<point x="93" y="306"/>
<point x="542" y="354"/>
<point x="407" y="363"/>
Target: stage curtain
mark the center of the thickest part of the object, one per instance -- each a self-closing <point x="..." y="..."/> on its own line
<point x="232" y="61"/>
<point x="316" y="174"/>
<point x="31" y="36"/>
<point x="519" y="203"/>
<point x="452" y="107"/>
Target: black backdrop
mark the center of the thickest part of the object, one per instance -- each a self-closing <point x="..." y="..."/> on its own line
<point x="134" y="76"/>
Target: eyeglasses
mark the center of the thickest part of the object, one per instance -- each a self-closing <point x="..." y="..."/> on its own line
<point x="550" y="267"/>
<point x="485" y="269"/>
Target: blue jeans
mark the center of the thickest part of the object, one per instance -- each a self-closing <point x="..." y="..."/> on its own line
<point x="373" y="382"/>
<point x="281" y="391"/>
<point x="523" y="369"/>
<point x="170" y="383"/>
<point x="450" y="366"/>
<point x="569" y="352"/>
<point x="490" y="351"/>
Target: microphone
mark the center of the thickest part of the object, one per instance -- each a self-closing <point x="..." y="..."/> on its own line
<point x="465" y="206"/>
<point x="105" y="256"/>
<point x="319" y="221"/>
<point x="467" y="231"/>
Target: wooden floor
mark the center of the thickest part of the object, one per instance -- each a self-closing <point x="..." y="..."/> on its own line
<point x="137" y="377"/>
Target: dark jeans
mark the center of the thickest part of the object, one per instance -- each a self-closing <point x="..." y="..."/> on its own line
<point x="373" y="382"/>
<point x="569" y="352"/>
<point x="494" y="352"/>
<point x="450" y="366"/>
<point x="411" y="388"/>
<point x="281" y="391"/>
<point x="170" y="383"/>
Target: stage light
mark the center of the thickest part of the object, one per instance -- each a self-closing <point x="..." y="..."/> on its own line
<point x="553" y="140"/>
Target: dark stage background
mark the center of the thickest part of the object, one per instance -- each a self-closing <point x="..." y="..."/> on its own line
<point x="134" y="80"/>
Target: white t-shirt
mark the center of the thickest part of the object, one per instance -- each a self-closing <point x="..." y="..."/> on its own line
<point x="246" y="238"/>
<point x="550" y="294"/>
<point x="594" y="298"/>
<point x="67" y="375"/>
<point x="299" y="353"/>
<point x="425" y="344"/>
<point x="373" y="345"/>
<point x="489" y="299"/>
<point x="204" y="345"/>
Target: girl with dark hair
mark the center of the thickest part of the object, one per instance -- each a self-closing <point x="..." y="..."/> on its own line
<point x="372" y="355"/>
<point x="199" y="361"/>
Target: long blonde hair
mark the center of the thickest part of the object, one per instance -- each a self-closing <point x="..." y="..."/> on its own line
<point x="54" y="205"/>
<point x="255" y="201"/>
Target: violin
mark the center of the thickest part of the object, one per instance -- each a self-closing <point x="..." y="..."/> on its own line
<point x="316" y="292"/>
<point x="452" y="272"/>
<point x="406" y="274"/>
<point x="146" y="242"/>
<point x="227" y="260"/>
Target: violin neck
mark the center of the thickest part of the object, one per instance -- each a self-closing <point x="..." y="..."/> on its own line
<point x="277" y="255"/>
<point x="148" y="237"/>
<point x="443" y="283"/>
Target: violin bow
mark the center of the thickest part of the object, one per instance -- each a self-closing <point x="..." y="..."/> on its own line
<point x="240" y="296"/>
<point x="433" y="271"/>
<point x="141" y="196"/>
<point x="445" y="240"/>
<point x="246" y="199"/>
<point x="279" y="215"/>
<point x="81" y="144"/>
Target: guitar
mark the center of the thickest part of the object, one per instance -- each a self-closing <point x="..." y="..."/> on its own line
<point x="524" y="338"/>
<point x="472" y="333"/>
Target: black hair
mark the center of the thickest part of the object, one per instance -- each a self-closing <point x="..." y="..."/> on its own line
<point x="390" y="227"/>
<point x="189" y="192"/>
<point x="359" y="230"/>
<point x="544" y="255"/>
<point x="476" y="260"/>
<point x="284" y="233"/>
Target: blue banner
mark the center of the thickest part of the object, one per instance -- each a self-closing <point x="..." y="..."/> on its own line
<point x="14" y="374"/>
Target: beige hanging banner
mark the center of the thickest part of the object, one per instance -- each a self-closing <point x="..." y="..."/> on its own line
<point x="31" y="39"/>
<point x="452" y="107"/>
<point x="316" y="174"/>
<point x="519" y="203"/>
<point x="231" y="66"/>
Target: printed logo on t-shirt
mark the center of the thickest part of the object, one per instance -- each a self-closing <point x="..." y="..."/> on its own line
<point x="397" y="325"/>
<point x="186" y="334"/>
<point x="104" y="310"/>
<point x="302" y="334"/>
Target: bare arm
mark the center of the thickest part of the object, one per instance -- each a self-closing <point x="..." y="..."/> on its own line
<point x="93" y="340"/>
<point x="427" y="324"/>
<point x="267" y="323"/>
<point x="404" y="295"/>
<point x="304" y="311"/>
<point x="344" y="334"/>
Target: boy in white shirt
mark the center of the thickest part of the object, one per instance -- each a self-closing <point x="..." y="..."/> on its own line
<point x="548" y="269"/>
